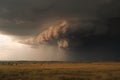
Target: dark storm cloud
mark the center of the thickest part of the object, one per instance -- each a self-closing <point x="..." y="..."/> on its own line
<point x="20" y="17"/>
<point x="23" y="9"/>
<point x="68" y="32"/>
<point x="23" y="17"/>
<point x="81" y="26"/>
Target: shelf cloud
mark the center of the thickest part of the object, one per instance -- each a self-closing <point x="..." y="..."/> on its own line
<point x="88" y="29"/>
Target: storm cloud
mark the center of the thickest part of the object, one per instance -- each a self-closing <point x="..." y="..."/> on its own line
<point x="83" y="28"/>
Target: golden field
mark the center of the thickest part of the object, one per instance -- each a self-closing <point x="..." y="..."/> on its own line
<point x="59" y="70"/>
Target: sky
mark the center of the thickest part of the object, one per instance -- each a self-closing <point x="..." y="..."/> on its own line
<point x="60" y="30"/>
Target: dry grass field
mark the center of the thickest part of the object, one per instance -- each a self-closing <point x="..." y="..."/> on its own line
<point x="59" y="71"/>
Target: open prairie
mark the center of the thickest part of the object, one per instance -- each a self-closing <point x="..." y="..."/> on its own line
<point x="60" y="71"/>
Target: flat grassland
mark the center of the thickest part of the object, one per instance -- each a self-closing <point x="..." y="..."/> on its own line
<point x="59" y="70"/>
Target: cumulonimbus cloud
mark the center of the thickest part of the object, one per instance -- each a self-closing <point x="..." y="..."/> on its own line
<point x="67" y="32"/>
<point x="81" y="25"/>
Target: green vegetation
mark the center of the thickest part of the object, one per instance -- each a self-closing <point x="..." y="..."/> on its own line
<point x="59" y="71"/>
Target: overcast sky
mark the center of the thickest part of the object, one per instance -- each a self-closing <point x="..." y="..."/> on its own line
<point x="59" y="30"/>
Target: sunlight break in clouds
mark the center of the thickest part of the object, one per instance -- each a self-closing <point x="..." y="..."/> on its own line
<point x="13" y="50"/>
<point x="10" y="49"/>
